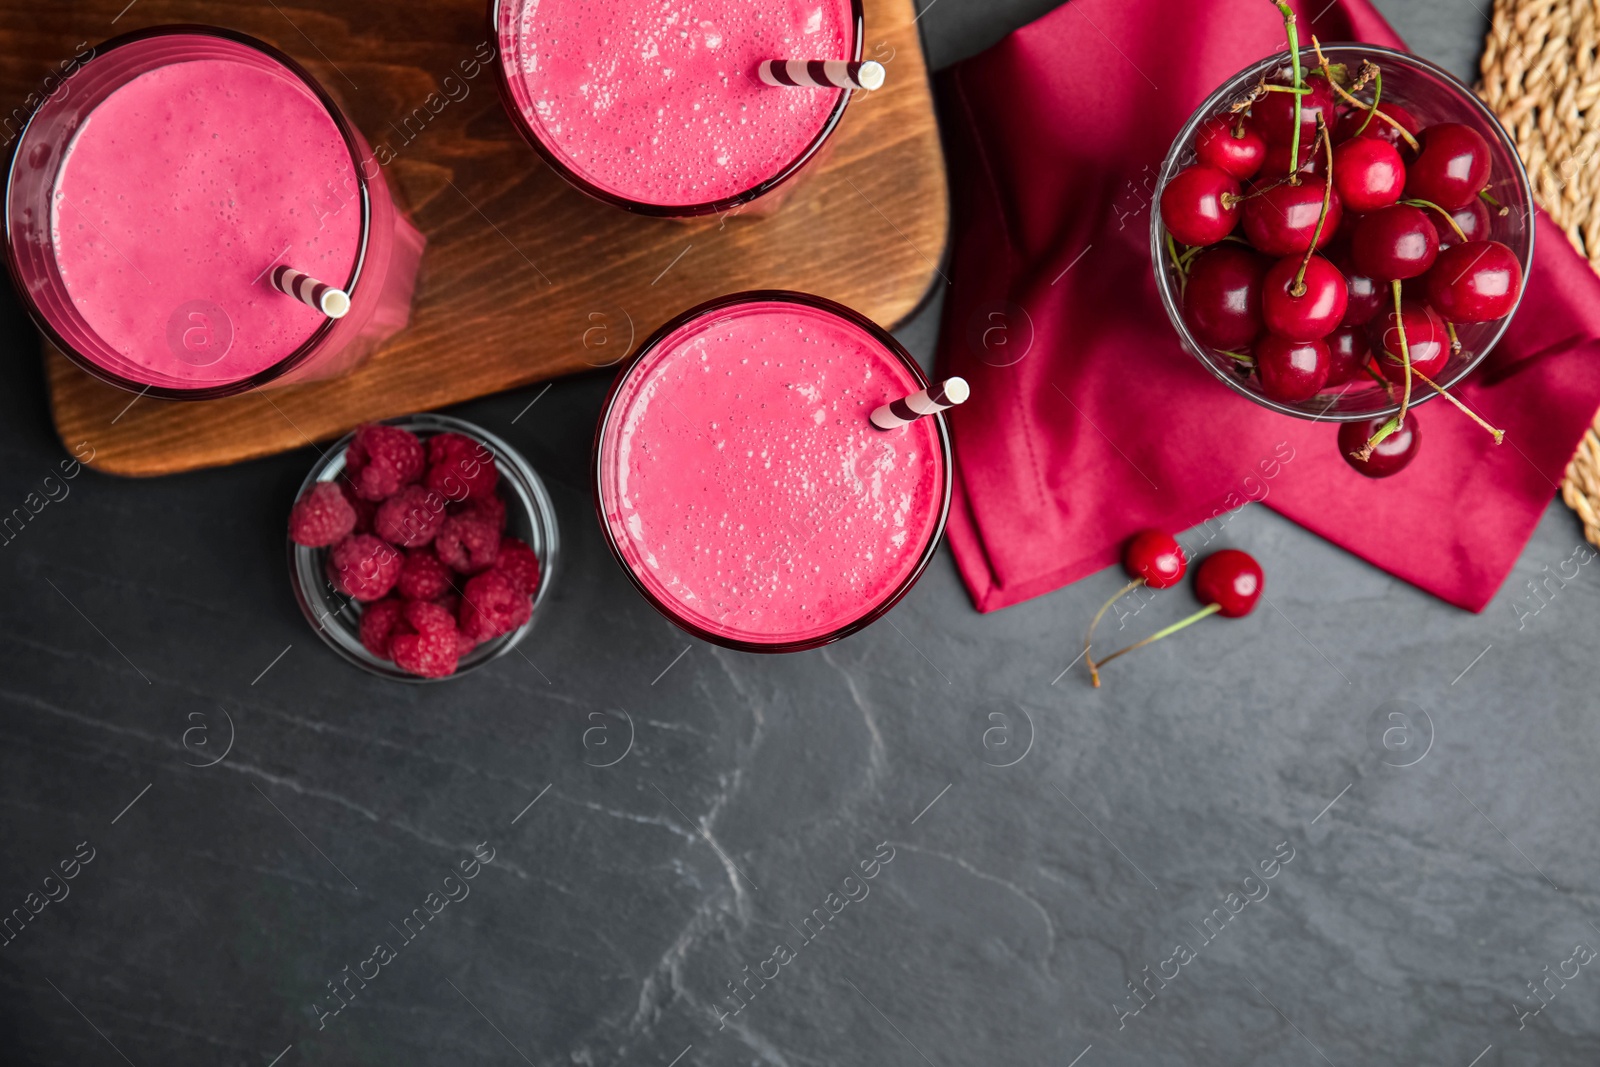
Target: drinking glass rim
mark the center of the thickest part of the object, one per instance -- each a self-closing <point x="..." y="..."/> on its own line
<point x="665" y="211"/>
<point x="311" y="344"/>
<point x="1170" y="166"/>
<point x="879" y="334"/>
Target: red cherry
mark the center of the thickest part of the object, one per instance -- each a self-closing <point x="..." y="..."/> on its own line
<point x="1396" y="243"/>
<point x="1312" y="314"/>
<point x="1276" y="165"/>
<point x="1364" y="295"/>
<point x="1348" y="352"/>
<point x="1222" y="299"/>
<point x="1368" y="174"/>
<point x="1452" y="168"/>
<point x="1392" y="454"/>
<point x="1476" y="282"/>
<point x="1232" y="580"/>
<point x="1234" y="147"/>
<point x="1273" y="114"/>
<point x="1155" y="556"/>
<point x="1282" y="220"/>
<point x="1474" y="221"/>
<point x="1197" y="206"/>
<point x="1427" y="341"/>
<point x="1292" y="371"/>
<point x="1383" y="131"/>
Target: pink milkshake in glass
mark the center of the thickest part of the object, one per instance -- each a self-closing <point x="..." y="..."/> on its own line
<point x="741" y="483"/>
<point x="658" y="106"/>
<point x="154" y="201"/>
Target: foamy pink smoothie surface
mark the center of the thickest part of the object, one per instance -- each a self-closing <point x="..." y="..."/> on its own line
<point x="658" y="101"/>
<point x="179" y="192"/>
<point x="746" y="487"/>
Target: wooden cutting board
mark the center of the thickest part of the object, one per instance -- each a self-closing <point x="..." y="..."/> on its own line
<point x="520" y="269"/>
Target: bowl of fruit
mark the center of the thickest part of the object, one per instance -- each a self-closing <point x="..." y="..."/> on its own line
<point x="1343" y="233"/>
<point x="421" y="548"/>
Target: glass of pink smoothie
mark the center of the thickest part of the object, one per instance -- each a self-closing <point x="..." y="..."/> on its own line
<point x="153" y="194"/>
<point x="655" y="105"/>
<point x="742" y="486"/>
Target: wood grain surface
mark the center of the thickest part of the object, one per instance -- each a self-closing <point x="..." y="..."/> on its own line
<point x="525" y="278"/>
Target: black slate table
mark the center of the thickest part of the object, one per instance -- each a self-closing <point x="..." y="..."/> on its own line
<point x="647" y="818"/>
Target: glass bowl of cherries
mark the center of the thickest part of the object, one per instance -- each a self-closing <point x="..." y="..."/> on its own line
<point x="1343" y="232"/>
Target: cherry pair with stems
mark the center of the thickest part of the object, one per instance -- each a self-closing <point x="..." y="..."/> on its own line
<point x="1228" y="582"/>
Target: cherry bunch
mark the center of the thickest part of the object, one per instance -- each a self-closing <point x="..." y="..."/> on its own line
<point x="1293" y="234"/>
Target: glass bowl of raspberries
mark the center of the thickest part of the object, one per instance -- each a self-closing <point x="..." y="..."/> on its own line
<point x="421" y="548"/>
<point x="1354" y="264"/>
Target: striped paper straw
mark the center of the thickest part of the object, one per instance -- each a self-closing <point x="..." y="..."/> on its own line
<point x="334" y="303"/>
<point x="906" y="410"/>
<point x="822" y="72"/>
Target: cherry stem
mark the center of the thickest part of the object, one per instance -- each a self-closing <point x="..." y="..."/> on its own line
<point x="1451" y="219"/>
<point x="1372" y="109"/>
<point x="1488" y="198"/>
<point x="1405" y="399"/>
<point x="1388" y="386"/>
<point x="1241" y="106"/>
<point x="1240" y="356"/>
<point x="1229" y="200"/>
<point x="1299" y="288"/>
<point x="1118" y="595"/>
<point x="1291" y="27"/>
<point x="1405" y="353"/>
<point x="1370" y="71"/>
<point x="1377" y="98"/>
<point x="1209" y="609"/>
<point x="1498" y="435"/>
<point x="1455" y="342"/>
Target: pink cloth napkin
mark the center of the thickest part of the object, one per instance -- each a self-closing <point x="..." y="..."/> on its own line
<point x="1089" y="422"/>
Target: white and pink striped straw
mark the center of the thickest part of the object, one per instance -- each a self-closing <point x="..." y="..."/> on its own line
<point x="331" y="301"/>
<point x="835" y="73"/>
<point x="937" y="397"/>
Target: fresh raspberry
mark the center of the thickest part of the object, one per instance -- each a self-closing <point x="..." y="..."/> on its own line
<point x="430" y="652"/>
<point x="465" y="643"/>
<point x="491" y="605"/>
<point x="378" y="624"/>
<point x="365" y="509"/>
<point x="468" y="542"/>
<point x="410" y="518"/>
<point x="381" y="459"/>
<point x="363" y="567"/>
<point x="490" y="507"/>
<point x="428" y="618"/>
<point x="519" y="563"/>
<point x="461" y="468"/>
<point x="321" y="516"/>
<point x="450" y="602"/>
<point x="423" y="577"/>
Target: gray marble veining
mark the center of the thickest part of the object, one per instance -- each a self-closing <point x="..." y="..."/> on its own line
<point x="1354" y="828"/>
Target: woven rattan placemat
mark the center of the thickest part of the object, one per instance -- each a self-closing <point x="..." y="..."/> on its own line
<point x="1542" y="75"/>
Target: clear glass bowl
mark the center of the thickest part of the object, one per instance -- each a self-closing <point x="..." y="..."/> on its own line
<point x="1432" y="95"/>
<point x="530" y="516"/>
